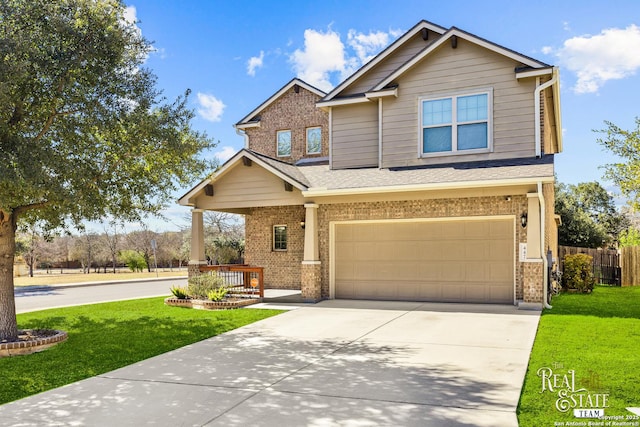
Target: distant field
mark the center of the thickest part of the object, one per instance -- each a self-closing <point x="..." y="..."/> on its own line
<point x="75" y="276"/>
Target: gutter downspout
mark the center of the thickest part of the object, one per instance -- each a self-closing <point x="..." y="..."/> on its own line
<point x="536" y="100"/>
<point x="543" y="253"/>
<point x="243" y="134"/>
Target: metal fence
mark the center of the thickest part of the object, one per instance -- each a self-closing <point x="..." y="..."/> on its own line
<point x="243" y="281"/>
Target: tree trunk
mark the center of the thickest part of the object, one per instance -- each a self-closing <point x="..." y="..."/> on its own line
<point x="8" y="322"/>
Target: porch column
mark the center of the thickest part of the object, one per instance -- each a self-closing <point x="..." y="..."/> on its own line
<point x="310" y="269"/>
<point x="197" y="242"/>
<point x="533" y="227"/>
<point x="311" y="252"/>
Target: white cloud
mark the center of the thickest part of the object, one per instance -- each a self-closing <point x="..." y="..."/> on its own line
<point x="367" y="45"/>
<point x="255" y="62"/>
<point x="610" y="55"/>
<point x="225" y="153"/>
<point x="325" y="53"/>
<point x="211" y="107"/>
<point x="130" y="15"/>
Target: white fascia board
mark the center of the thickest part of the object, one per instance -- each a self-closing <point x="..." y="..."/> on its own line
<point x="557" y="109"/>
<point x="534" y="73"/>
<point x="382" y="55"/>
<point x="321" y="192"/>
<point x="184" y="200"/>
<point x="343" y="101"/>
<point x="444" y="39"/>
<point x="382" y="93"/>
<point x="247" y="125"/>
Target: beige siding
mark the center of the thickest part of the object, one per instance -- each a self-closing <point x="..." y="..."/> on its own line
<point x="389" y="64"/>
<point x="448" y="70"/>
<point x="244" y="187"/>
<point x="355" y="136"/>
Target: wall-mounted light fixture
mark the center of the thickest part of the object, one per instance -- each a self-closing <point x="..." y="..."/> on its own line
<point x="523" y="219"/>
<point x="507" y="198"/>
<point x="302" y="224"/>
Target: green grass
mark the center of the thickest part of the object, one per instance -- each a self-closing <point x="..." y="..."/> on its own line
<point x="103" y="337"/>
<point x="598" y="336"/>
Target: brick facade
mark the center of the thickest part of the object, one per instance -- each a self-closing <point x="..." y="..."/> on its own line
<point x="292" y="111"/>
<point x="281" y="268"/>
<point x="285" y="269"/>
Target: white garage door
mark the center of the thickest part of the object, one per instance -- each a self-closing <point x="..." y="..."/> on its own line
<point x="452" y="261"/>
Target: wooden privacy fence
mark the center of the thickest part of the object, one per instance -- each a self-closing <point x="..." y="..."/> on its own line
<point x="605" y="263"/>
<point x="630" y="266"/>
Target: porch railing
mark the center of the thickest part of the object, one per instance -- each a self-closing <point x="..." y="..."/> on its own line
<point x="242" y="280"/>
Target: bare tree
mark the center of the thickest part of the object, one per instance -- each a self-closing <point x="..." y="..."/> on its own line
<point x="111" y="239"/>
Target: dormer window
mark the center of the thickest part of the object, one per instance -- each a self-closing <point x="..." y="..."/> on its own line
<point x="456" y="124"/>
<point x="283" y="142"/>
<point x="314" y="140"/>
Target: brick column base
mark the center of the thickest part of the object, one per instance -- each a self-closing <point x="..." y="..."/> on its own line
<point x="311" y="281"/>
<point x="194" y="268"/>
<point x="533" y="278"/>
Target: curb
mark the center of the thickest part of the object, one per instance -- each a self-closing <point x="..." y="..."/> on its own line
<point x="36" y="288"/>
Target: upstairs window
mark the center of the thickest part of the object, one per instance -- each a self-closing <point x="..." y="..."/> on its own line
<point x="279" y="237"/>
<point x="314" y="140"/>
<point x="283" y="143"/>
<point x="456" y="124"/>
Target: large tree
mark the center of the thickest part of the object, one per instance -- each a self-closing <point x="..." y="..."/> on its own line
<point x="84" y="132"/>
<point x="589" y="215"/>
<point x="626" y="145"/>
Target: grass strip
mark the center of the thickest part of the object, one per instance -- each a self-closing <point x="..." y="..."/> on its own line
<point x="104" y="337"/>
<point x="596" y="335"/>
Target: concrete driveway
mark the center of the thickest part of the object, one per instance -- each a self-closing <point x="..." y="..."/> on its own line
<point x="336" y="363"/>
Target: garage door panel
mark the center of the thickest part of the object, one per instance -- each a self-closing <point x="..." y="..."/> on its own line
<point x="457" y="261"/>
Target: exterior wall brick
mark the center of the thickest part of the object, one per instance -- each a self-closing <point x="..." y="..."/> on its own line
<point x="281" y="268"/>
<point x="532" y="281"/>
<point x="285" y="269"/>
<point x="311" y="282"/>
<point x="292" y="111"/>
<point x="193" y="269"/>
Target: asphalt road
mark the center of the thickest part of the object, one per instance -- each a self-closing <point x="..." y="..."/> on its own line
<point x="42" y="297"/>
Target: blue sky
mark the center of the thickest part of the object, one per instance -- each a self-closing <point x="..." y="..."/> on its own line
<point x="234" y="55"/>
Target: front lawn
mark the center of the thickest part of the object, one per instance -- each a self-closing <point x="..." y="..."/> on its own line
<point x="597" y="336"/>
<point x="104" y="337"/>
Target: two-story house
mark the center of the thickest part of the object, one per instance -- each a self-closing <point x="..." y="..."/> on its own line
<point x="426" y="175"/>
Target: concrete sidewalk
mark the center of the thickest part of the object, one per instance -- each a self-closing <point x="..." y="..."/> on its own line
<point x="351" y="363"/>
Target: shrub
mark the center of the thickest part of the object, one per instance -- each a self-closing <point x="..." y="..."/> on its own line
<point x="133" y="259"/>
<point x="180" y="293"/>
<point x="578" y="273"/>
<point x="199" y="286"/>
<point x="217" y="294"/>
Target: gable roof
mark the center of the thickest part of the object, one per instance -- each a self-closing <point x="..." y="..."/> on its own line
<point x="321" y="180"/>
<point x="528" y="62"/>
<point x="385" y="53"/>
<point x="456" y="32"/>
<point x="250" y="119"/>
<point x="285" y="171"/>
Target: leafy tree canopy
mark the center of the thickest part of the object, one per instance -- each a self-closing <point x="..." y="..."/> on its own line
<point x="589" y="215"/>
<point x="626" y="145"/>
<point x="84" y="132"/>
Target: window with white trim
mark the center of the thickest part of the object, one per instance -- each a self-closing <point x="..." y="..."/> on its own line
<point x="455" y="124"/>
<point x="314" y="140"/>
<point x="279" y="237"/>
<point x="283" y="143"/>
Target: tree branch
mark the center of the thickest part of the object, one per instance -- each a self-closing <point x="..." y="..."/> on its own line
<point x="22" y="209"/>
